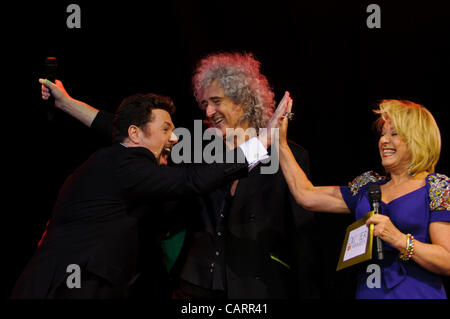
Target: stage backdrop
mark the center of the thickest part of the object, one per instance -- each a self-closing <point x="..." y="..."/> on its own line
<point x="334" y="59"/>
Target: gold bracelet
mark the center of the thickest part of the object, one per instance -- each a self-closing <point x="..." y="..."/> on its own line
<point x="409" y="248"/>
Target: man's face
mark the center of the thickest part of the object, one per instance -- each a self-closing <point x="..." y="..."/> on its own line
<point x="158" y="136"/>
<point x="220" y="110"/>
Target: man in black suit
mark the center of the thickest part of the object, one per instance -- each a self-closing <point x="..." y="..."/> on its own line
<point x="91" y="233"/>
<point x="248" y="239"/>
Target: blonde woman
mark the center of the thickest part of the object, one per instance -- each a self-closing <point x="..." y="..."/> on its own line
<point x="415" y="219"/>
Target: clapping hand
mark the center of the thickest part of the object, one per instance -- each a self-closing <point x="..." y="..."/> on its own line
<point x="277" y="119"/>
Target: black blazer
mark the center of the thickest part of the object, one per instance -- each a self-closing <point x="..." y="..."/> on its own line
<point x="90" y="225"/>
<point x="264" y="221"/>
<point x="270" y="248"/>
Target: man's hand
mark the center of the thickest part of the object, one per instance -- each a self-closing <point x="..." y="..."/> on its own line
<point x="79" y="110"/>
<point x="267" y="135"/>
<point x="56" y="90"/>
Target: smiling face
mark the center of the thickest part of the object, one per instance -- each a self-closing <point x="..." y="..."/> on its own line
<point x="157" y="135"/>
<point x="220" y="110"/>
<point x="394" y="152"/>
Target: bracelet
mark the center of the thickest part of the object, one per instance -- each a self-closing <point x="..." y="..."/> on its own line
<point x="409" y="248"/>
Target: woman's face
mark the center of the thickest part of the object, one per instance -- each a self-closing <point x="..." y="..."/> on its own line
<point x="394" y="152"/>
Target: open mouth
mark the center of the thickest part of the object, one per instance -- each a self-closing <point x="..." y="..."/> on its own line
<point x="165" y="153"/>
<point x="217" y="120"/>
<point x="387" y="152"/>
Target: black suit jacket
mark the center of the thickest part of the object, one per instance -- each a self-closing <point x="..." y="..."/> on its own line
<point x="270" y="248"/>
<point x="90" y="225"/>
<point x="264" y="224"/>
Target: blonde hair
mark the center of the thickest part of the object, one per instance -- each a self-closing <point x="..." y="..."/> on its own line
<point x="417" y="127"/>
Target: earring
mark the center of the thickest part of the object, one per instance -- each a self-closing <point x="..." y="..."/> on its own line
<point x="409" y="170"/>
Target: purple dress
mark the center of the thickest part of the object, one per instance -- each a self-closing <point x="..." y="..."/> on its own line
<point x="411" y="213"/>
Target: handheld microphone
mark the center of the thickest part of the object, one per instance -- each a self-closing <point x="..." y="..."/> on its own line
<point x="49" y="73"/>
<point x="374" y="193"/>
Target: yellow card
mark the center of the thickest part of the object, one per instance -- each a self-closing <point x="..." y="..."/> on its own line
<point x="357" y="246"/>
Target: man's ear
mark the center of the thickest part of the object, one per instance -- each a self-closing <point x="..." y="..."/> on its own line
<point x="134" y="134"/>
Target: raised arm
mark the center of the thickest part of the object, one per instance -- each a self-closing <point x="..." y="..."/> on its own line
<point x="79" y="110"/>
<point x="317" y="199"/>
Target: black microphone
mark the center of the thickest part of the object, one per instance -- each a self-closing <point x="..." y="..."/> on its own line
<point x="49" y="73"/>
<point x="374" y="192"/>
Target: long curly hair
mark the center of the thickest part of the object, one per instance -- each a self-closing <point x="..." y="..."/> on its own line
<point x="238" y="74"/>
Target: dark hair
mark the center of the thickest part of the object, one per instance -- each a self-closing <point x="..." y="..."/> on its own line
<point x="137" y="110"/>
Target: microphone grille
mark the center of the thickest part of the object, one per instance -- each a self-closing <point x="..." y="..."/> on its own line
<point x="51" y="62"/>
<point x="374" y="192"/>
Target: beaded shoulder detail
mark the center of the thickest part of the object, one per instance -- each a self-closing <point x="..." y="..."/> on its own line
<point x="364" y="179"/>
<point x="439" y="191"/>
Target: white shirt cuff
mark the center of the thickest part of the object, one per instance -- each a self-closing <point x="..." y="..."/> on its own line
<point x="254" y="152"/>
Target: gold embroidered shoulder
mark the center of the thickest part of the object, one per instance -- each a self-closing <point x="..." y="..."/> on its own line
<point x="439" y="192"/>
<point x="364" y="179"/>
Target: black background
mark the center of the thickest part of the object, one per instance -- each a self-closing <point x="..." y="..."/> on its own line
<point x="322" y="52"/>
